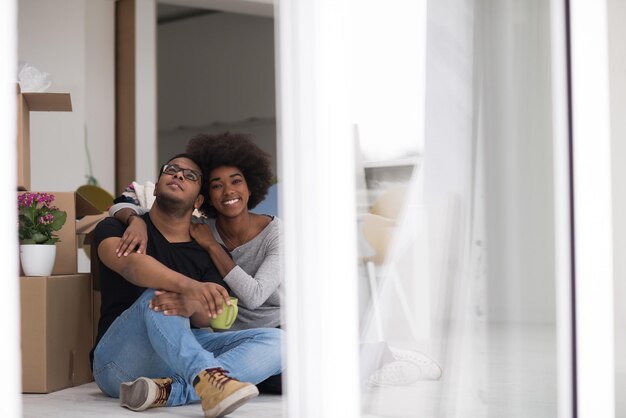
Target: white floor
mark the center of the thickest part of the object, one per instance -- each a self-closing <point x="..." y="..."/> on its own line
<point x="87" y="401"/>
<point x="494" y="371"/>
<point x="499" y="371"/>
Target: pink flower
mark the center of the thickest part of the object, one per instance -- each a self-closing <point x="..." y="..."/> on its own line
<point x="25" y="199"/>
<point x="44" y="198"/>
<point x="38" y="218"/>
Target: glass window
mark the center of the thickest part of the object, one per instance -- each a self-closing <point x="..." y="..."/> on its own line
<point x="454" y="136"/>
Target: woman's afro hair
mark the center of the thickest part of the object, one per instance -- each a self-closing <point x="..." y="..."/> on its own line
<point x="235" y="150"/>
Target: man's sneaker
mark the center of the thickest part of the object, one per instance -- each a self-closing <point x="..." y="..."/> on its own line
<point x="145" y="393"/>
<point x="407" y="368"/>
<point x="221" y="394"/>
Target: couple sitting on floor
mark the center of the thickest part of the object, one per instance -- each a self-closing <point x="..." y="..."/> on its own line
<point x="163" y="278"/>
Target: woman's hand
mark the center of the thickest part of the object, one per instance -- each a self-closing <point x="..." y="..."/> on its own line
<point x="202" y="234"/>
<point x="136" y="234"/>
<point x="211" y="296"/>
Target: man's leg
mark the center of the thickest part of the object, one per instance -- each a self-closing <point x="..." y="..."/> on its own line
<point x="145" y="343"/>
<point x="250" y="355"/>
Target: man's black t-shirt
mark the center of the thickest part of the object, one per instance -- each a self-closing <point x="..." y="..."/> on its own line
<point x="118" y="294"/>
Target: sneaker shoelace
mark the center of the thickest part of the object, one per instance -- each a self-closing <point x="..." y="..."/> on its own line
<point x="165" y="387"/>
<point x="219" y="378"/>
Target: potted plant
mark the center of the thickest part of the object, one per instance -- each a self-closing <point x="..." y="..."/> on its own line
<point x="38" y="220"/>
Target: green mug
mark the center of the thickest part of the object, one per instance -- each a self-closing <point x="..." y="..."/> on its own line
<point x="227" y="318"/>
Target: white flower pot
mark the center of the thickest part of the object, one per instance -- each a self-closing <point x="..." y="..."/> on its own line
<point x="37" y="260"/>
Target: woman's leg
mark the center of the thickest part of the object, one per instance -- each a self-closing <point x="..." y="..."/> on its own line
<point x="273" y="385"/>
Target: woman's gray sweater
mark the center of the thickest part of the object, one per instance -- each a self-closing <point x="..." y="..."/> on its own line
<point x="257" y="278"/>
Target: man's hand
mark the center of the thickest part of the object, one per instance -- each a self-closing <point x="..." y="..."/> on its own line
<point x="145" y="271"/>
<point x="136" y="234"/>
<point x="172" y="303"/>
<point x="211" y="296"/>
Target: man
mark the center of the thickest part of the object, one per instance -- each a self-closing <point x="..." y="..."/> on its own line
<point x="137" y="345"/>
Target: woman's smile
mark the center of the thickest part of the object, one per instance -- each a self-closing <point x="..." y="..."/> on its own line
<point x="231" y="201"/>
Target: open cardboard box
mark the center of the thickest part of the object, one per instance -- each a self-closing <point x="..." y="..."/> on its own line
<point x="56" y="331"/>
<point x="77" y="208"/>
<point x="84" y="231"/>
<point x="33" y="102"/>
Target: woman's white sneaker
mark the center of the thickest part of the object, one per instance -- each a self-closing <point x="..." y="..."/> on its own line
<point x="396" y="373"/>
<point x="407" y="368"/>
<point x="431" y="370"/>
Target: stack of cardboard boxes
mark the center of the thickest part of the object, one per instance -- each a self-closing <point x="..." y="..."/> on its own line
<point x="57" y="315"/>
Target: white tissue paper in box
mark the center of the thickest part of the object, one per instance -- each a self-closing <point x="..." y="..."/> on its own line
<point x="32" y="80"/>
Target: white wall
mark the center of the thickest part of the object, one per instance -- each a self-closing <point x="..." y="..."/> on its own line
<point x="146" y="164"/>
<point x="216" y="68"/>
<point x="100" y="89"/>
<point x="73" y="41"/>
<point x="617" y="62"/>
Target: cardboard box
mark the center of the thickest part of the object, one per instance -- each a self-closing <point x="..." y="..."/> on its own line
<point x="57" y="332"/>
<point x="33" y="102"/>
<point x="85" y="237"/>
<point x="76" y="207"/>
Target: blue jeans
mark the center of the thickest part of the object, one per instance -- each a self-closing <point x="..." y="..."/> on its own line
<point x="141" y="342"/>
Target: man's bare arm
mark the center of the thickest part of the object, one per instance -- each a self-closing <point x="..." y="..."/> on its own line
<point x="145" y="271"/>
